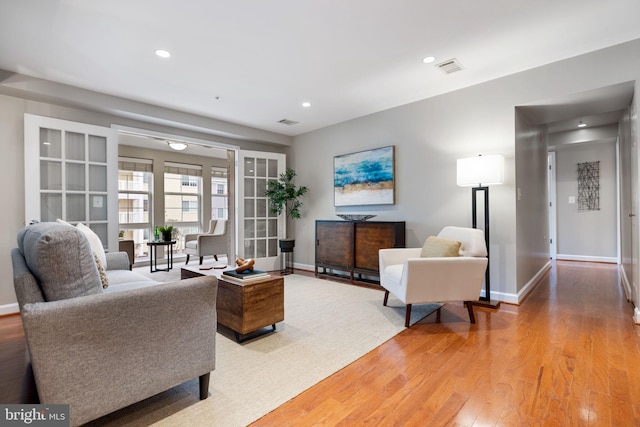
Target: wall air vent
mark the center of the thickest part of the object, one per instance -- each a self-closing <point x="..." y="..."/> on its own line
<point x="288" y="122"/>
<point x="450" y="66"/>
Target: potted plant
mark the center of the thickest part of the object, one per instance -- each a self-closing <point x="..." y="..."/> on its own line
<point x="284" y="196"/>
<point x="166" y="231"/>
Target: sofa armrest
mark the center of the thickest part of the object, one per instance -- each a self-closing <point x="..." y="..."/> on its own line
<point x="117" y="261"/>
<point x="103" y="352"/>
<point x="25" y="285"/>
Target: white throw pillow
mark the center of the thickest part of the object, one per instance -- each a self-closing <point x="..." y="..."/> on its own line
<point x="63" y="222"/>
<point x="94" y="241"/>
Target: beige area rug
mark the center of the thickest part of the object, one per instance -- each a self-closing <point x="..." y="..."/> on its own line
<point x="327" y="326"/>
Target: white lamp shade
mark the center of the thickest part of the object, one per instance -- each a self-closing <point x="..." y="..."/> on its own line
<point x="481" y="170"/>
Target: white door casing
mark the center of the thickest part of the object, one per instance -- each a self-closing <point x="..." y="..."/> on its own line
<point x="552" y="204"/>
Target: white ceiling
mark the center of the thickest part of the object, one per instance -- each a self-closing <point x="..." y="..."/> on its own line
<point x="253" y="62"/>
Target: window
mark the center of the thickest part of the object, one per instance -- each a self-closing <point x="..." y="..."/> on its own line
<point x="135" y="178"/>
<point x="182" y="193"/>
<point x="219" y="193"/>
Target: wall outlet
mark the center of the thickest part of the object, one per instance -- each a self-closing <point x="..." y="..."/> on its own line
<point x="572" y="200"/>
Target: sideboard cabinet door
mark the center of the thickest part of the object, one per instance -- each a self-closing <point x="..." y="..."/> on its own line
<point x="334" y="244"/>
<point x="370" y="237"/>
<point x="352" y="246"/>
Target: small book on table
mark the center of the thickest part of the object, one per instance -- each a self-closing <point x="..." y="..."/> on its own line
<point x="246" y="275"/>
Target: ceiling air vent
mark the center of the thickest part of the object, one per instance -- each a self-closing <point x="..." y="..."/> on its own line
<point x="450" y="66"/>
<point x="288" y="122"/>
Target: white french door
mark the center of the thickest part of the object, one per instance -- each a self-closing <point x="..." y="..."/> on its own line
<point x="259" y="229"/>
<point x="71" y="173"/>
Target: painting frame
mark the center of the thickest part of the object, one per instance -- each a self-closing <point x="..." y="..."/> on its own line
<point x="365" y="178"/>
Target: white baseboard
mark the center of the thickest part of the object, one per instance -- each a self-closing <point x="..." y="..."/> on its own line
<point x="9" y="309"/>
<point x="304" y="266"/>
<point x="626" y="286"/>
<point x="517" y="298"/>
<point x="567" y="257"/>
<point x="636" y="315"/>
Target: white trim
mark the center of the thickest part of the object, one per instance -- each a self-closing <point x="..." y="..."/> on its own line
<point x="626" y="286"/>
<point x="180" y="138"/>
<point x="636" y="315"/>
<point x="587" y="258"/>
<point x="553" y="212"/>
<point x="519" y="297"/>
<point x="9" y="309"/>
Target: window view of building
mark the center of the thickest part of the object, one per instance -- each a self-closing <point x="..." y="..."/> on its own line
<point x="135" y="178"/>
<point x="182" y="195"/>
<point x="219" y="193"/>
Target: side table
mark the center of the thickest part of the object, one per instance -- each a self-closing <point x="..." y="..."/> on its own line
<point x="153" y="255"/>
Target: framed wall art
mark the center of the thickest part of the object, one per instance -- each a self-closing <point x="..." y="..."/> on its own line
<point x="365" y="177"/>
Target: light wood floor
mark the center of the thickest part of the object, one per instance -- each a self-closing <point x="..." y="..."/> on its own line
<point x="568" y="356"/>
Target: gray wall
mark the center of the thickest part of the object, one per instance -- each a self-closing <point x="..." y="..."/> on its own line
<point x="431" y="134"/>
<point x="532" y="201"/>
<point x="587" y="235"/>
<point x="12" y="173"/>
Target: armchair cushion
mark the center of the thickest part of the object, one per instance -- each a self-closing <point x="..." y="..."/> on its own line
<point x="61" y="260"/>
<point x="440" y="247"/>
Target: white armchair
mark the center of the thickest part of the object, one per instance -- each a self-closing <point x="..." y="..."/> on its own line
<point x="213" y="242"/>
<point x="419" y="280"/>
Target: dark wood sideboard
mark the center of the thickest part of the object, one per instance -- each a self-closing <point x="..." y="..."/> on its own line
<point x="352" y="246"/>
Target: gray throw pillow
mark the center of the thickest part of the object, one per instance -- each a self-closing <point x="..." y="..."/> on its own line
<point x="61" y="260"/>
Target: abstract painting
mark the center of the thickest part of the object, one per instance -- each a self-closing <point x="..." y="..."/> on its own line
<point x="364" y="178"/>
<point x="589" y="186"/>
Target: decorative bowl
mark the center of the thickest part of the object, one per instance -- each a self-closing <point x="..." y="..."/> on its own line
<point x="355" y="217"/>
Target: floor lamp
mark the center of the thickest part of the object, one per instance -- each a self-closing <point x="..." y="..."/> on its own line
<point x="480" y="172"/>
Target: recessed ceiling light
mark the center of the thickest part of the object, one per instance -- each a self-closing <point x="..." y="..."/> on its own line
<point x="429" y="59"/>
<point x="582" y="124"/>
<point x="163" y="53"/>
<point x="306" y="104"/>
<point x="178" y="146"/>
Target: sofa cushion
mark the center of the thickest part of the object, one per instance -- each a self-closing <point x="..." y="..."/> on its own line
<point x="440" y="247"/>
<point x="60" y="259"/>
<point x="118" y="277"/>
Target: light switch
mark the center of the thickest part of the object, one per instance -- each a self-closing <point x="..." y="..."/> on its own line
<point x="572" y="200"/>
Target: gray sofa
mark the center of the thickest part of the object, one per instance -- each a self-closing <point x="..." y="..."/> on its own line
<point x="100" y="350"/>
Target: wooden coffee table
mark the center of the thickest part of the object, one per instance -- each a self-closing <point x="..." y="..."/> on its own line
<point x="248" y="307"/>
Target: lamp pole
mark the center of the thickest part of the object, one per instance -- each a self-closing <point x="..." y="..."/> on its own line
<point x="486" y="300"/>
